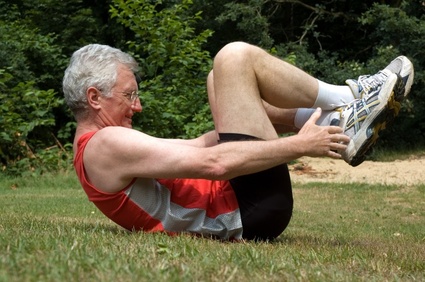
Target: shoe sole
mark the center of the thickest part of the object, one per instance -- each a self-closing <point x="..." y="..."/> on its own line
<point x="378" y="119"/>
<point x="407" y="73"/>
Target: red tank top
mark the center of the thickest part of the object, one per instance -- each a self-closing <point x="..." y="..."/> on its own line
<point x="197" y="206"/>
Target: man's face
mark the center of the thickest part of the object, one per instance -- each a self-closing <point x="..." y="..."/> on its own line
<point x="119" y="109"/>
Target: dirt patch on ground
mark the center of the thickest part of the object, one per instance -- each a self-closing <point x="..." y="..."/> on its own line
<point x="399" y="172"/>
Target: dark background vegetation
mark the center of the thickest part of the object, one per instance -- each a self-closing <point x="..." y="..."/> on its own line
<point x="174" y="42"/>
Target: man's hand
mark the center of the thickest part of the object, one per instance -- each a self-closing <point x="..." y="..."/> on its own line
<point x="319" y="141"/>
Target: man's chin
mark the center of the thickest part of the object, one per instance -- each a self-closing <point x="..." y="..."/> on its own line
<point x="128" y="124"/>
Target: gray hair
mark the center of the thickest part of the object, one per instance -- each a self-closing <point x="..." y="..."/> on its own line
<point x="93" y="65"/>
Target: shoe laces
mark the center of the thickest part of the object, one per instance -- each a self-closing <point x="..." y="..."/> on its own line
<point x="365" y="83"/>
<point x="368" y="82"/>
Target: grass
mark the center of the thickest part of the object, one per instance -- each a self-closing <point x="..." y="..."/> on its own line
<point x="389" y="155"/>
<point x="339" y="232"/>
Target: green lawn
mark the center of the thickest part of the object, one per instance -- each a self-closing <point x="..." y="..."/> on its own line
<point x="50" y="232"/>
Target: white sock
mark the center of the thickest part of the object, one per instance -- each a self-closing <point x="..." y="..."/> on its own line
<point x="303" y="114"/>
<point x="332" y="96"/>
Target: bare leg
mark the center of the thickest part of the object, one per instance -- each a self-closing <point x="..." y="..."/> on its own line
<point x="243" y="76"/>
<point x="283" y="120"/>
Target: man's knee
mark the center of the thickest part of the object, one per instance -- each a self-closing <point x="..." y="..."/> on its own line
<point x="235" y="52"/>
<point x="210" y="86"/>
<point x="210" y="77"/>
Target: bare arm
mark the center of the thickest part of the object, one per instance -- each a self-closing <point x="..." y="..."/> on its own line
<point x="206" y="140"/>
<point x="115" y="155"/>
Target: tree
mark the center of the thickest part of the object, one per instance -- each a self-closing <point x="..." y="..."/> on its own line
<point x="34" y="52"/>
<point x="174" y="66"/>
<point x="26" y="121"/>
<point x="173" y="40"/>
<point x="402" y="31"/>
<point x="333" y="40"/>
<point x="28" y="60"/>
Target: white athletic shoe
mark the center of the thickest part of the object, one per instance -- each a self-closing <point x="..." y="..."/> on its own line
<point x="401" y="66"/>
<point x="364" y="118"/>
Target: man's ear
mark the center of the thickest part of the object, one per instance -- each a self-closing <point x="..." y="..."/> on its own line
<point x="93" y="97"/>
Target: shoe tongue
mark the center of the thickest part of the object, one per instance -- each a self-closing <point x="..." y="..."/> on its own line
<point x="354" y="86"/>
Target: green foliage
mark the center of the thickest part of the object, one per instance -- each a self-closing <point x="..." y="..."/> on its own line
<point x="174" y="66"/>
<point x="332" y="40"/>
<point x="251" y="23"/>
<point x="334" y="43"/>
<point x="396" y="32"/>
<point x="26" y="121"/>
<point x="36" y="38"/>
<point x="28" y="55"/>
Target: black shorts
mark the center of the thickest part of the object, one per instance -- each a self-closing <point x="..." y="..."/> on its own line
<point x="265" y="198"/>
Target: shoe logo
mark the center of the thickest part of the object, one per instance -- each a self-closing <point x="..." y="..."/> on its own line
<point x="360" y="110"/>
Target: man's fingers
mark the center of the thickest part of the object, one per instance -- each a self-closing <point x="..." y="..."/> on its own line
<point x="338" y="135"/>
<point x="315" y="116"/>
<point x="340" y="138"/>
<point x="335" y="149"/>
<point x="335" y="129"/>
<point x="338" y="146"/>
<point x="334" y="155"/>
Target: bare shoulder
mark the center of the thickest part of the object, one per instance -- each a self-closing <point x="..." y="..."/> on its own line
<point x="116" y="144"/>
<point x="118" y="137"/>
<point x="118" y="132"/>
<point x="116" y="155"/>
<point x="111" y="154"/>
<point x="123" y="149"/>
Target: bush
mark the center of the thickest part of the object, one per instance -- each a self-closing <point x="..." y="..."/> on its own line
<point x="174" y="67"/>
<point x="27" y="142"/>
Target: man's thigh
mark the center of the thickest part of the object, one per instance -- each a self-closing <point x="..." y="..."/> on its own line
<point x="265" y="198"/>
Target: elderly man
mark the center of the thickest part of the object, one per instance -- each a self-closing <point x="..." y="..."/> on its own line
<point x="233" y="182"/>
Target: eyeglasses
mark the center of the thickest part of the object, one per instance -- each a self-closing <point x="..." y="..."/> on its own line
<point x="132" y="96"/>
